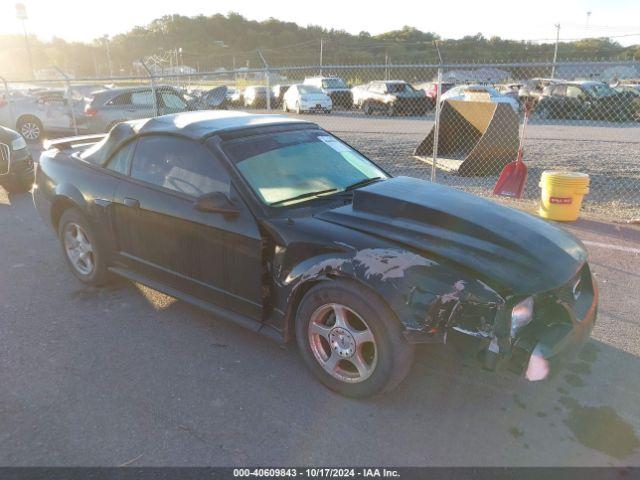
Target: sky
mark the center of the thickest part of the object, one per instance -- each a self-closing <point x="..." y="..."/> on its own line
<point x="521" y="20"/>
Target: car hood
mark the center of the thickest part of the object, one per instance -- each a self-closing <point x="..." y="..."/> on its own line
<point x="513" y="252"/>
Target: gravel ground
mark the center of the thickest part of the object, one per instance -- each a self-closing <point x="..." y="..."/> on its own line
<point x="608" y="152"/>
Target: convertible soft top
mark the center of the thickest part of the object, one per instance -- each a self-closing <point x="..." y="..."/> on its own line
<point x="193" y="125"/>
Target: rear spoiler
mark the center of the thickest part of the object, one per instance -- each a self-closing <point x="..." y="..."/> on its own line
<point x="67" y="142"/>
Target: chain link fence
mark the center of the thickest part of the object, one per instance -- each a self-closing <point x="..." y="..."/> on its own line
<point x="458" y="125"/>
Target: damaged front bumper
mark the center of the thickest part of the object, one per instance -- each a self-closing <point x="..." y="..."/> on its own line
<point x="559" y="330"/>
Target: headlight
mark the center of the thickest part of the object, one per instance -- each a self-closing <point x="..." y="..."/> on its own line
<point x="18" y="144"/>
<point x="521" y="315"/>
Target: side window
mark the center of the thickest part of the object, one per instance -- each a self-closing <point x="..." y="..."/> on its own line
<point x="142" y="99"/>
<point x="120" y="160"/>
<point x="171" y="100"/>
<point x="178" y="164"/>
<point x="124" y="99"/>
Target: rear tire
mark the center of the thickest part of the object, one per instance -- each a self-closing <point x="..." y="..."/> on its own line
<point x="351" y="340"/>
<point x="82" y="249"/>
<point x="21" y="184"/>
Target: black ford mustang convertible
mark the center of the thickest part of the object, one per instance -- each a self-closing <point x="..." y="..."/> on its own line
<point x="275" y="224"/>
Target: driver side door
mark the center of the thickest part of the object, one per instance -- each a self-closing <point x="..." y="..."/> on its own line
<point x="159" y="233"/>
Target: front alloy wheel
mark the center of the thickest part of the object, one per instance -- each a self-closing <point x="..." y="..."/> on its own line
<point x="30" y="129"/>
<point x="351" y="340"/>
<point x="342" y="343"/>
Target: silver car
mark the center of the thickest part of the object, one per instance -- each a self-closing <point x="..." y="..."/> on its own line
<point x="105" y="108"/>
<point x="32" y="113"/>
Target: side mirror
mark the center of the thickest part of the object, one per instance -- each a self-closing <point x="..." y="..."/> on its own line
<point x="216" y="202"/>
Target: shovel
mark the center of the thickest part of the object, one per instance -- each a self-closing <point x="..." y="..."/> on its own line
<point x="513" y="178"/>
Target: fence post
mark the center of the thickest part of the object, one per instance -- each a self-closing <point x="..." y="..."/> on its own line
<point x="153" y="87"/>
<point x="268" y="79"/>
<point x="436" y="127"/>
<point x="67" y="81"/>
<point x="12" y="120"/>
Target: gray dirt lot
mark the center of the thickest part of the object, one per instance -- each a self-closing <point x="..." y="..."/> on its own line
<point x="125" y="374"/>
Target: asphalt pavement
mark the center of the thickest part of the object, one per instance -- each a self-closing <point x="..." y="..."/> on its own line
<point x="126" y="375"/>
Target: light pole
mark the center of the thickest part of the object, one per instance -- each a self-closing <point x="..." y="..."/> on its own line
<point x="321" y="52"/>
<point x="21" y="14"/>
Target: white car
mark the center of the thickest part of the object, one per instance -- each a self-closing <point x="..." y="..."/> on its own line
<point x="476" y="92"/>
<point x="306" y="98"/>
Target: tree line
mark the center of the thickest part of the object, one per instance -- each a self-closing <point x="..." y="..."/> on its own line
<point x="207" y="43"/>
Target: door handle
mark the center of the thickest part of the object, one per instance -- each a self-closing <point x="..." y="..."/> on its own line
<point x="131" y="202"/>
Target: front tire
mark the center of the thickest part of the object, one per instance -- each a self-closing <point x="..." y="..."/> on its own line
<point x="351" y="340"/>
<point x="30" y="128"/>
<point x="83" y="251"/>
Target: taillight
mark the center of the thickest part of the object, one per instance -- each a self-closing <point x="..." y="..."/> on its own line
<point x="89" y="111"/>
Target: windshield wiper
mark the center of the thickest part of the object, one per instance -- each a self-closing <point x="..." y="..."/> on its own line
<point x="304" y="195"/>
<point x="362" y="183"/>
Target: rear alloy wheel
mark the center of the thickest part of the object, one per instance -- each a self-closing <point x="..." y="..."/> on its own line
<point x="351" y="340"/>
<point x="83" y="252"/>
<point x="30" y="128"/>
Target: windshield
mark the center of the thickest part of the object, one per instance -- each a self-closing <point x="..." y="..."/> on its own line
<point x="282" y="167"/>
<point x="599" y="90"/>
<point x="308" y="90"/>
<point x="397" y="87"/>
<point x="333" y="83"/>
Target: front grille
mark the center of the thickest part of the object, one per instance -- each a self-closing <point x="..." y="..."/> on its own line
<point x="5" y="159"/>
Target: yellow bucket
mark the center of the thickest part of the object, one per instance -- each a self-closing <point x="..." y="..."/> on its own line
<point x="562" y="194"/>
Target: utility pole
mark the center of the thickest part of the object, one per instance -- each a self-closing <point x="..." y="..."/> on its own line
<point x="555" y="51"/>
<point x="105" y="38"/>
<point x="321" y="52"/>
<point x="21" y="14"/>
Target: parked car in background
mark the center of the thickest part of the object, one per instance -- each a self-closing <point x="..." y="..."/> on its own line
<point x="256" y="97"/>
<point x="632" y="92"/>
<point x="306" y="98"/>
<point x="213" y="99"/>
<point x="36" y="112"/>
<point x="234" y="97"/>
<point x="532" y="89"/>
<point x="479" y="92"/>
<point x="431" y="90"/>
<point x="392" y="97"/>
<point x="278" y="93"/>
<point x="277" y="225"/>
<point x="335" y="87"/>
<point x="584" y="100"/>
<point x="510" y="90"/>
<point x="16" y="163"/>
<point x="105" y="108"/>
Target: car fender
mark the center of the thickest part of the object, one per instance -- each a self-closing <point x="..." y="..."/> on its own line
<point x="423" y="293"/>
